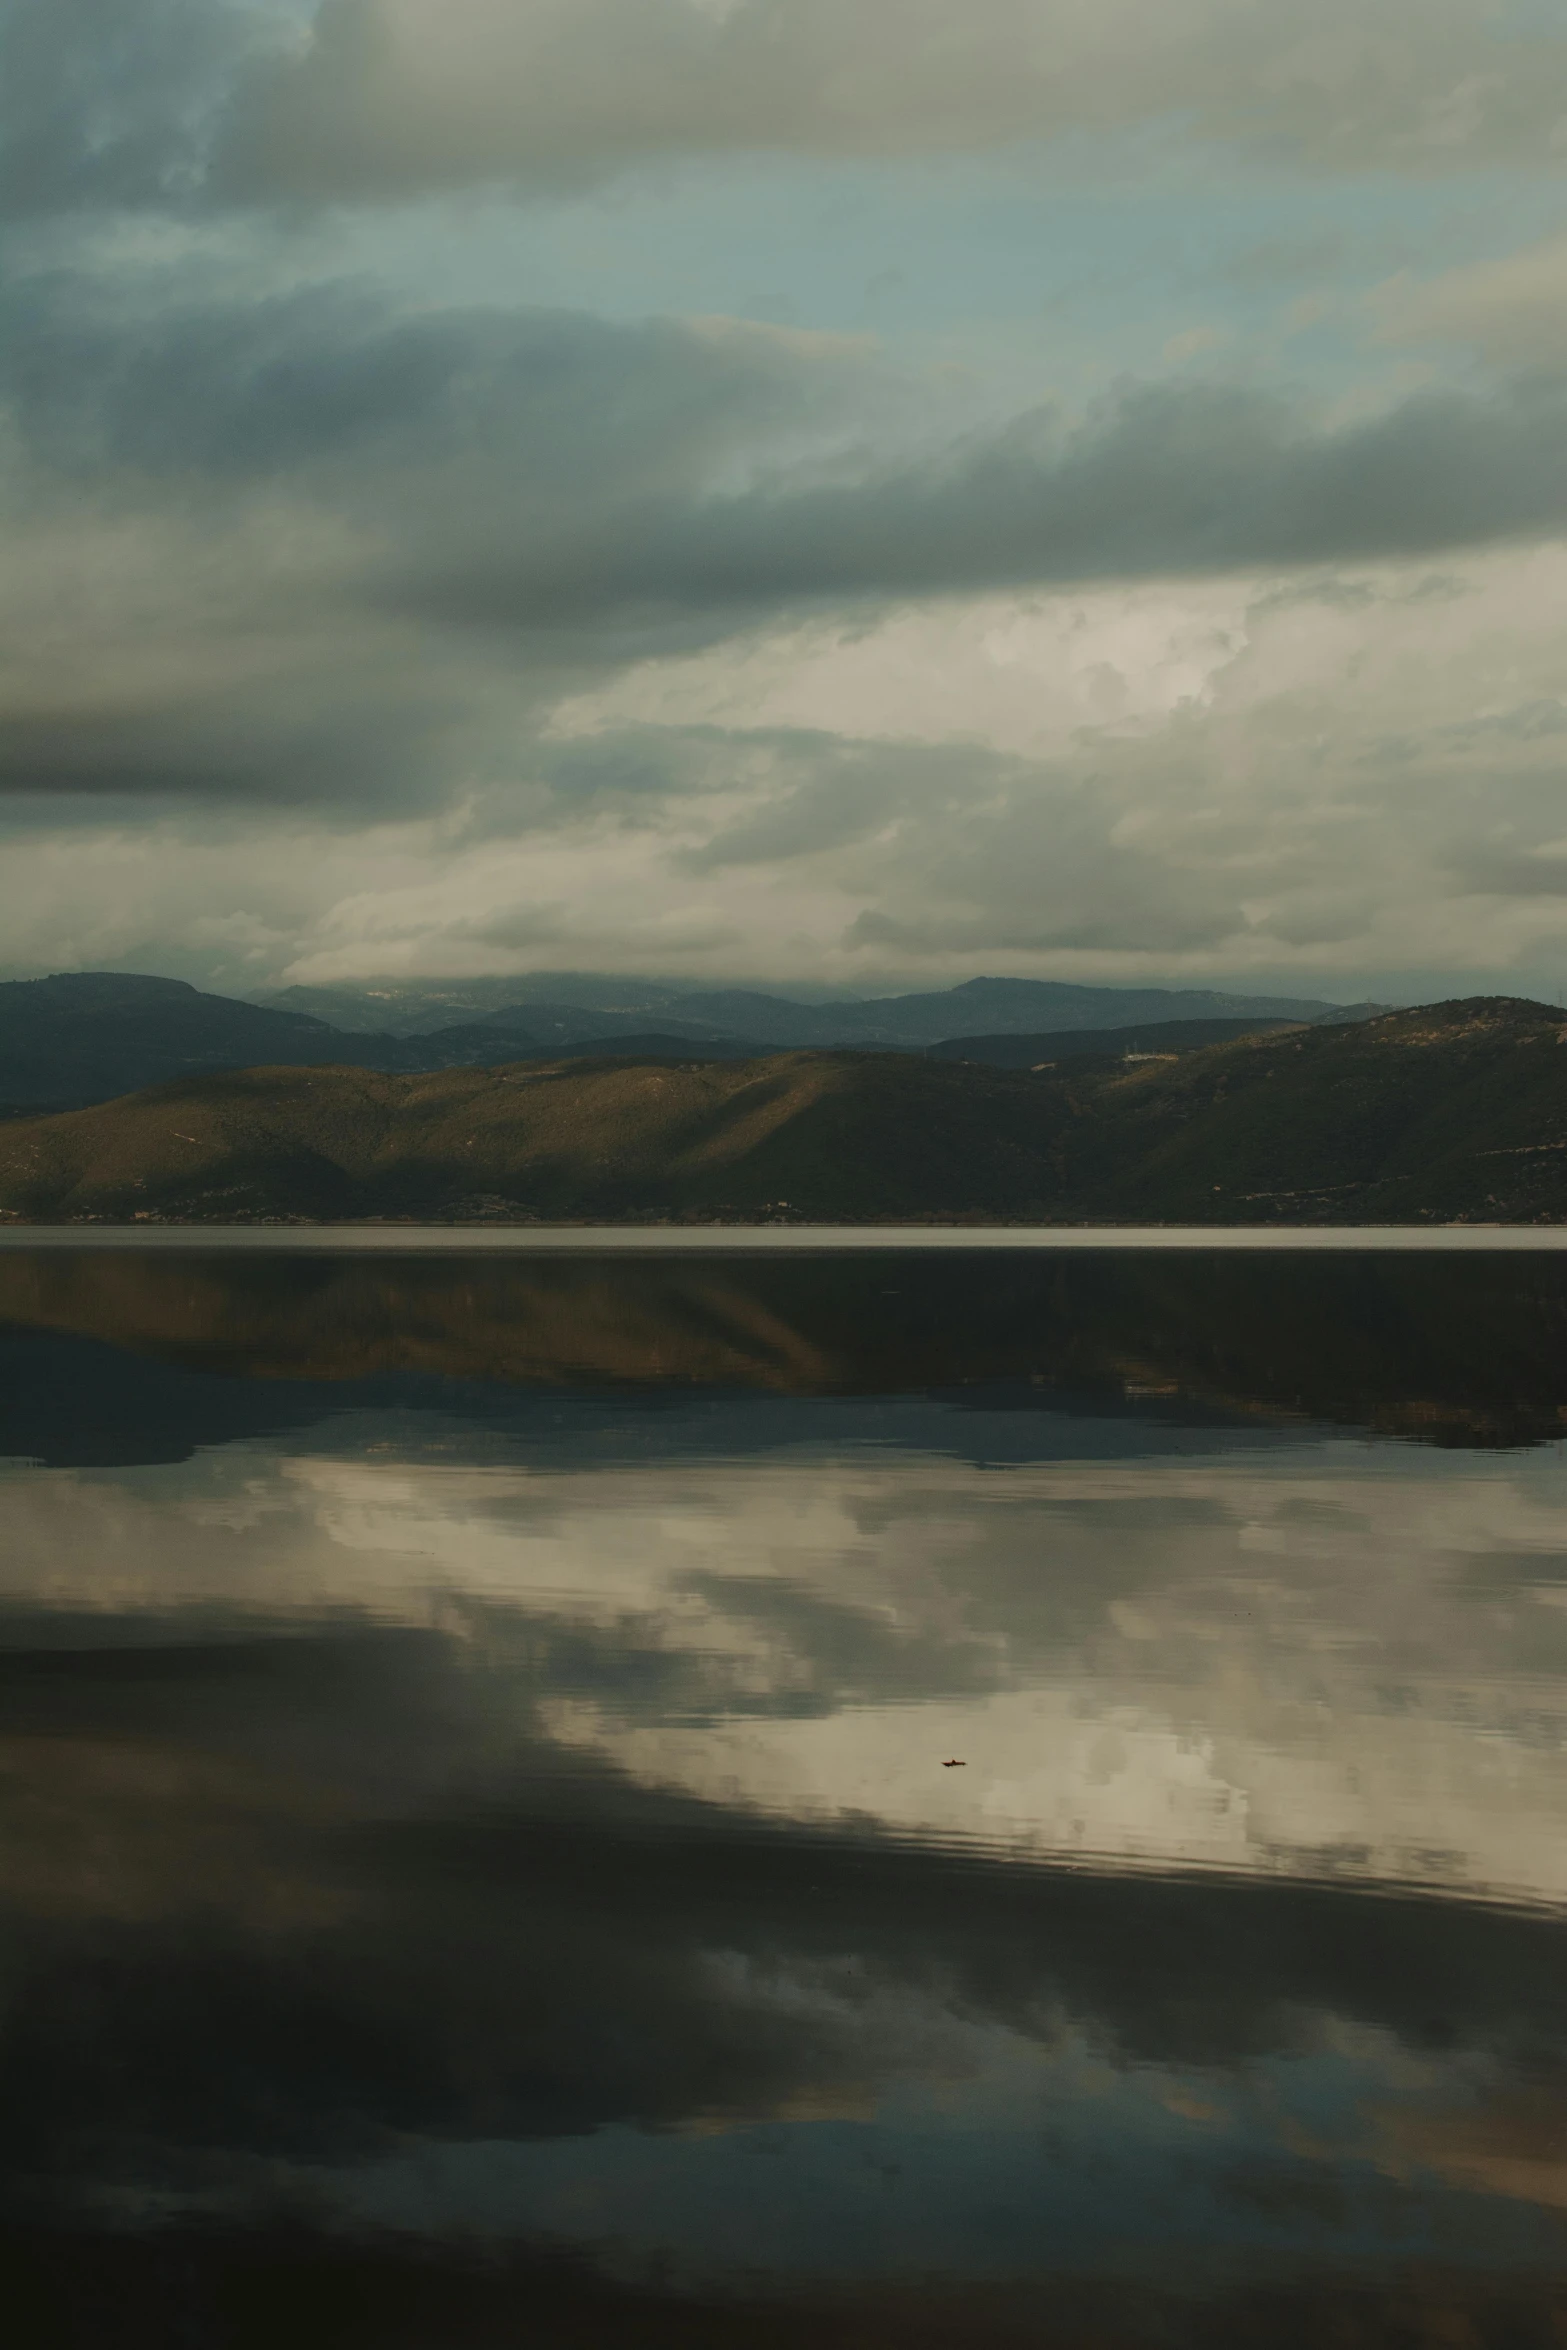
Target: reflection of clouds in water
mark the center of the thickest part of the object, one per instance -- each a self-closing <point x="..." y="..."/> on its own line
<point x="1247" y="1664"/>
<point x="307" y="1907"/>
<point x="987" y="2152"/>
<point x="1511" y="2143"/>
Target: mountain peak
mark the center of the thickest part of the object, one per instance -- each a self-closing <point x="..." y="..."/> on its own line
<point x="85" y="990"/>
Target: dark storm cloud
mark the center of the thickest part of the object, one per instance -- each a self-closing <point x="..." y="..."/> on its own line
<point x="556" y="492"/>
<point x="108" y="103"/>
<point x="1162" y="480"/>
<point x="333" y="382"/>
<point x="542" y="468"/>
<point x="243" y="748"/>
<point x="292" y="462"/>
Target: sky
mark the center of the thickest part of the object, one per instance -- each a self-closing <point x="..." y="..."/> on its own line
<point x="867" y="492"/>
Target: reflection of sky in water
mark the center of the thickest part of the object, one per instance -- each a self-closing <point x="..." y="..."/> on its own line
<point x="1030" y="2160"/>
<point x="1345" y="1661"/>
<point x="539" y="1830"/>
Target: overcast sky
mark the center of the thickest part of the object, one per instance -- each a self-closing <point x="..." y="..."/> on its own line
<point x="867" y="491"/>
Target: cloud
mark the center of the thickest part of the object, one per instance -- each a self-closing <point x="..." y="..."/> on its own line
<point x="1160" y="479"/>
<point x="214" y="508"/>
<point x="557" y="474"/>
<point x="189" y="102"/>
<point x="1215" y="777"/>
<point x="113" y="102"/>
<point x="330" y="384"/>
<point x="1512" y="310"/>
<point x="391" y="96"/>
<point x="312" y="550"/>
<point x="344" y="1810"/>
<point x="1030" y="857"/>
<point x="1490" y="868"/>
<point x="408" y="636"/>
<point x="155" y="651"/>
<point x="1224" y="781"/>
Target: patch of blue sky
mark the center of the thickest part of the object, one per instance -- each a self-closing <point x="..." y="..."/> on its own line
<point x="1017" y="270"/>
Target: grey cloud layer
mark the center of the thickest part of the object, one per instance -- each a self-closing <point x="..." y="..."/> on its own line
<point x="979" y="851"/>
<point x="333" y="384"/>
<point x="1170" y="480"/>
<point x="540" y="467"/>
<point x="580" y="492"/>
<point x="158" y="101"/>
<point x="117" y="102"/>
<point x="392" y="95"/>
<point x="278" y="468"/>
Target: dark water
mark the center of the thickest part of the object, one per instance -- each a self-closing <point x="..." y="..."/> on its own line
<point x="480" y="1863"/>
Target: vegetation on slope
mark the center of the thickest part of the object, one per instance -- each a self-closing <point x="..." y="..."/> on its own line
<point x="1455" y="1110"/>
<point x="1005" y="1051"/>
<point x="813" y="1134"/>
<point x="1458" y="1111"/>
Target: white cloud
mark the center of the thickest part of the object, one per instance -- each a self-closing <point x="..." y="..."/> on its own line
<point x="1221" y="779"/>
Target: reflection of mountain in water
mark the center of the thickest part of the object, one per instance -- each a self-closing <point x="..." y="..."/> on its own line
<point x="1442" y="1348"/>
<point x="481" y="1872"/>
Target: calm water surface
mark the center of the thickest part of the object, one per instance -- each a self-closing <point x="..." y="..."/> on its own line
<point x="841" y="1800"/>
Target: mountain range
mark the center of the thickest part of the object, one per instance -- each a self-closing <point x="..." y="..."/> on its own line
<point x="84" y="1037"/>
<point x="594" y="1003"/>
<point x="1452" y="1112"/>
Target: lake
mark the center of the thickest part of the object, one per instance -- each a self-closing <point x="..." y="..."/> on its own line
<point x="960" y="1795"/>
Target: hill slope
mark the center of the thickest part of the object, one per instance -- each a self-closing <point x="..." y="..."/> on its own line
<point x="1458" y="1111"/>
<point x="828" y="1134"/>
<point x="88" y="1035"/>
<point x="1054" y="1045"/>
<point x="1454" y="1110"/>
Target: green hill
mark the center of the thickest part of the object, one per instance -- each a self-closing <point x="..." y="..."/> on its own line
<point x="1455" y="1111"/>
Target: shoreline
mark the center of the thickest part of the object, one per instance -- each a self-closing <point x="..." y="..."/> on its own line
<point x="774" y="1239"/>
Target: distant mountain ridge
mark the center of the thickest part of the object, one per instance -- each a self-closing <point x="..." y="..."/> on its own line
<point x="976" y="1004"/>
<point x="1451" y="1112"/>
<point x="914" y="1020"/>
<point x="89" y="1036"/>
